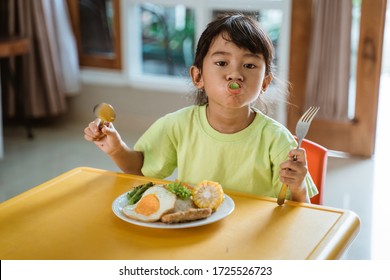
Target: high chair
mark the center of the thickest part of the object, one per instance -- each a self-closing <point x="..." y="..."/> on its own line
<point x="317" y="159"/>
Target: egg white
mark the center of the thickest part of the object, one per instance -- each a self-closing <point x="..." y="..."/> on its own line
<point x="166" y="200"/>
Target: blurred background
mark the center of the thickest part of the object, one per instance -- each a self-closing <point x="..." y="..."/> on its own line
<point x="135" y="55"/>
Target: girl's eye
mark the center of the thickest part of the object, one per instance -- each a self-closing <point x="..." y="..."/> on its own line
<point x="250" y="66"/>
<point x="221" y="63"/>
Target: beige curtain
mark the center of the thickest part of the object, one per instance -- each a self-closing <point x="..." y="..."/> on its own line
<point x="51" y="66"/>
<point x="329" y="63"/>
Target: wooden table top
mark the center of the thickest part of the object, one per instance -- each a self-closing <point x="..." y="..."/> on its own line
<point x="71" y="217"/>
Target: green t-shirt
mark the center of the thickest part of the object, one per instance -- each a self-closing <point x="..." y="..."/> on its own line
<point x="247" y="161"/>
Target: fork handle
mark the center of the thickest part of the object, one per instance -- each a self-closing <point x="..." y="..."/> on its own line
<point x="283" y="190"/>
<point x="282" y="194"/>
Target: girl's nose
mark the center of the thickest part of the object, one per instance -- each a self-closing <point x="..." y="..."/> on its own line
<point x="234" y="75"/>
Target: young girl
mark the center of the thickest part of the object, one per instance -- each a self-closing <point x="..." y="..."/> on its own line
<point x="222" y="138"/>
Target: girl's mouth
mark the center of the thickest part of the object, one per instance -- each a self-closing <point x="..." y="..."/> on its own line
<point x="234" y="87"/>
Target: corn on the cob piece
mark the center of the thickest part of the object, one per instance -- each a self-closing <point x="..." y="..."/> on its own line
<point x="208" y="194"/>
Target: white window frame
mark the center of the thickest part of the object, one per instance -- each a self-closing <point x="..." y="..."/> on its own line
<point x="131" y="74"/>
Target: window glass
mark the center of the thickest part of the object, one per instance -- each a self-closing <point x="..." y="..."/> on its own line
<point x="96" y="27"/>
<point x="168" y="38"/>
<point x="271" y="20"/>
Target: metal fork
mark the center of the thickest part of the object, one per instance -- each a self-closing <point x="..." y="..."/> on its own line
<point x="301" y="130"/>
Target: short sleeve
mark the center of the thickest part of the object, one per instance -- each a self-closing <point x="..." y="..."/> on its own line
<point x="159" y="150"/>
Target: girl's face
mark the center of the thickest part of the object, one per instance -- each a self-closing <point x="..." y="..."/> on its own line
<point x="225" y="63"/>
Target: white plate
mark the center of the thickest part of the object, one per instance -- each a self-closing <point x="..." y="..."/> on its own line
<point x="225" y="209"/>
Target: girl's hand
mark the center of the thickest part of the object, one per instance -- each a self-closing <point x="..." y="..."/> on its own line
<point x="105" y="138"/>
<point x="293" y="172"/>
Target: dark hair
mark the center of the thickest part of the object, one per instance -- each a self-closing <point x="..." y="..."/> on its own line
<point x="244" y="32"/>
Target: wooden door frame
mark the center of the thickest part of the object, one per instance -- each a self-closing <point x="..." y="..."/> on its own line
<point x="356" y="136"/>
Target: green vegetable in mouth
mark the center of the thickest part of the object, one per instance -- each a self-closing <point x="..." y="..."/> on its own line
<point x="234" y="85"/>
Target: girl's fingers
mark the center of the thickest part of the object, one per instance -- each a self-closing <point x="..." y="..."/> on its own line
<point x="298" y="155"/>
<point x="92" y="132"/>
<point x="290" y="164"/>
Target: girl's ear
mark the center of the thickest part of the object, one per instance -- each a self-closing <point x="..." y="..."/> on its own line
<point x="196" y="77"/>
<point x="266" y="82"/>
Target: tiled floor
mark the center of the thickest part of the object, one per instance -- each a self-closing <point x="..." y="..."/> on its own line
<point x="352" y="183"/>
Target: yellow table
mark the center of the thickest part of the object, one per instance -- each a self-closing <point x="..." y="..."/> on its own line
<point x="70" y="217"/>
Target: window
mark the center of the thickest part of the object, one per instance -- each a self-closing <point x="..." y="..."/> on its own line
<point x="96" y="24"/>
<point x="167" y="39"/>
<point x="159" y="38"/>
<point x="164" y="36"/>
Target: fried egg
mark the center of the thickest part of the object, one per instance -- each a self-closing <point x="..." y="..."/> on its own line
<point x="154" y="203"/>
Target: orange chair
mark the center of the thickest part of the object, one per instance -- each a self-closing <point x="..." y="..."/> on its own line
<point x="317" y="160"/>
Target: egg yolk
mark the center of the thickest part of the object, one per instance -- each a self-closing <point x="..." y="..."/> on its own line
<point x="148" y="205"/>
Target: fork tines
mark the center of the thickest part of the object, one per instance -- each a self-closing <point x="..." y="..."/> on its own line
<point x="310" y="113"/>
